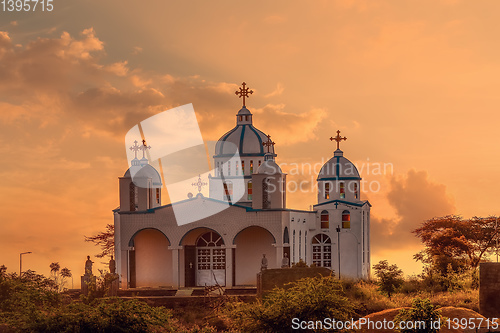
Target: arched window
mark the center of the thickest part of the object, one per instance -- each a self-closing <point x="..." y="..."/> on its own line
<point x="242" y="167"/>
<point x="286" y="237"/>
<point x="210" y="255"/>
<point x="300" y="244"/>
<point x="325" y="220"/>
<point x="346" y="219"/>
<point x="266" y="197"/>
<point x="327" y="190"/>
<point x="342" y="190"/>
<point x="251" y="166"/>
<point x="322" y="251"/>
<point x="133" y="196"/>
<point x="229" y="168"/>
<point x="246" y="118"/>
<point x="249" y="190"/>
<point x="237" y="168"/>
<point x="305" y="247"/>
<point x="356" y="194"/>
<point x="241" y="118"/>
<point x="228" y="191"/>
<point x="293" y="247"/>
<point x="157" y="195"/>
<point x="260" y="162"/>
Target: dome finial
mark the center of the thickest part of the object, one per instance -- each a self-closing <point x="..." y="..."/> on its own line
<point x="199" y="184"/>
<point x="243" y="92"/>
<point x="135" y="148"/>
<point x="338" y="138"/>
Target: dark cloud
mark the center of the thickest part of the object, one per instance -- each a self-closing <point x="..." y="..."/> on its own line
<point x="415" y="199"/>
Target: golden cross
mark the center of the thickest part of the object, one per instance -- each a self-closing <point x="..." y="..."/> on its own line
<point x="243" y="92"/>
<point x="338" y="138"/>
<point x="268" y="143"/>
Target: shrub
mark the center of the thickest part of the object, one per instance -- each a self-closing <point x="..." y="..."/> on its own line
<point x="308" y="299"/>
<point x="422" y="311"/>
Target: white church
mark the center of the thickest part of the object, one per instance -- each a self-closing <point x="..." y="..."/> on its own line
<point x="153" y="250"/>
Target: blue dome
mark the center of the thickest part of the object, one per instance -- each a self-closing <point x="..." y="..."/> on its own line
<point x="338" y="167"/>
<point x="244" y="137"/>
<point x="140" y="173"/>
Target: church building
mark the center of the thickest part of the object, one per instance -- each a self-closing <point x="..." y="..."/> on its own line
<point x="226" y="248"/>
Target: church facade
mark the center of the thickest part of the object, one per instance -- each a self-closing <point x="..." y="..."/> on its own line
<point x="252" y="220"/>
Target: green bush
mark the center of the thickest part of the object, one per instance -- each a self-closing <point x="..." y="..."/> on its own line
<point x="308" y="299"/>
<point x="422" y="311"/>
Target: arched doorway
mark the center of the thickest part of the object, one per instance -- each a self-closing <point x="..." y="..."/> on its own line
<point x="152" y="261"/>
<point x="322" y="251"/>
<point x="210" y="260"/>
<point x="251" y="243"/>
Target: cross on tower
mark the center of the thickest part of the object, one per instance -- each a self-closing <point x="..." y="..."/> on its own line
<point x="144" y="148"/>
<point x="135" y="148"/>
<point x="338" y="138"/>
<point x="199" y="184"/>
<point x="243" y="92"/>
<point x="269" y="143"/>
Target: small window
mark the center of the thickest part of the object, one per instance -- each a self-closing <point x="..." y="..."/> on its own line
<point x="346" y="219"/>
<point x="259" y="162"/>
<point x="251" y="167"/>
<point x="228" y="191"/>
<point x="237" y="168"/>
<point x="242" y="167"/>
<point x="241" y="118"/>
<point x="217" y="170"/>
<point x="342" y="190"/>
<point x="157" y="195"/>
<point x="327" y="190"/>
<point x="325" y="220"/>
<point x="356" y="194"/>
<point x="249" y="190"/>
<point x="229" y="168"/>
<point x="300" y="244"/>
<point x="246" y="118"/>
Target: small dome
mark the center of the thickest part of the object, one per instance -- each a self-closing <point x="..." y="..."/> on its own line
<point x="139" y="174"/>
<point x="338" y="167"/>
<point x="244" y="111"/>
<point x="269" y="167"/>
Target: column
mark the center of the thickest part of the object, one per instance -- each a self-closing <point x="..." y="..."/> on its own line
<point x="279" y="255"/>
<point x="229" y="266"/>
<point x="175" y="265"/>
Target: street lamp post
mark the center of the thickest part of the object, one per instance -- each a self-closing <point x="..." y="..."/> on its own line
<point x="21" y="263"/>
<point x="338" y="246"/>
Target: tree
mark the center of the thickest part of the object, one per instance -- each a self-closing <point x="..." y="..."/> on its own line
<point x="456" y="241"/>
<point x="59" y="275"/>
<point x="104" y="239"/>
<point x="390" y="277"/>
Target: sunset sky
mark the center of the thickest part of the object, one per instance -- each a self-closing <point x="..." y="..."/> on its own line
<point x="413" y="84"/>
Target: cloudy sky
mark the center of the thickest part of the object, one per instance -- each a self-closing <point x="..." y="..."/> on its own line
<point x="412" y="84"/>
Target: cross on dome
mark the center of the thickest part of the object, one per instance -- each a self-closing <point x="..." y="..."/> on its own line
<point x="135" y="148"/>
<point x="269" y="143"/>
<point x="338" y="138"/>
<point x="243" y="92"/>
<point x="144" y="147"/>
<point x="199" y="184"/>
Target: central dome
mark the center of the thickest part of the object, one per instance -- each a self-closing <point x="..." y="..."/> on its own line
<point x="244" y="137"/>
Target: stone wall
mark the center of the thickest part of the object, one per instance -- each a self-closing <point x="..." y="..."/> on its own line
<point x="489" y="289"/>
<point x="271" y="278"/>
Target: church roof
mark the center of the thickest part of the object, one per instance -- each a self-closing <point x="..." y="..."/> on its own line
<point x="244" y="137"/>
<point x="338" y="167"/>
<point x="269" y="167"/>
